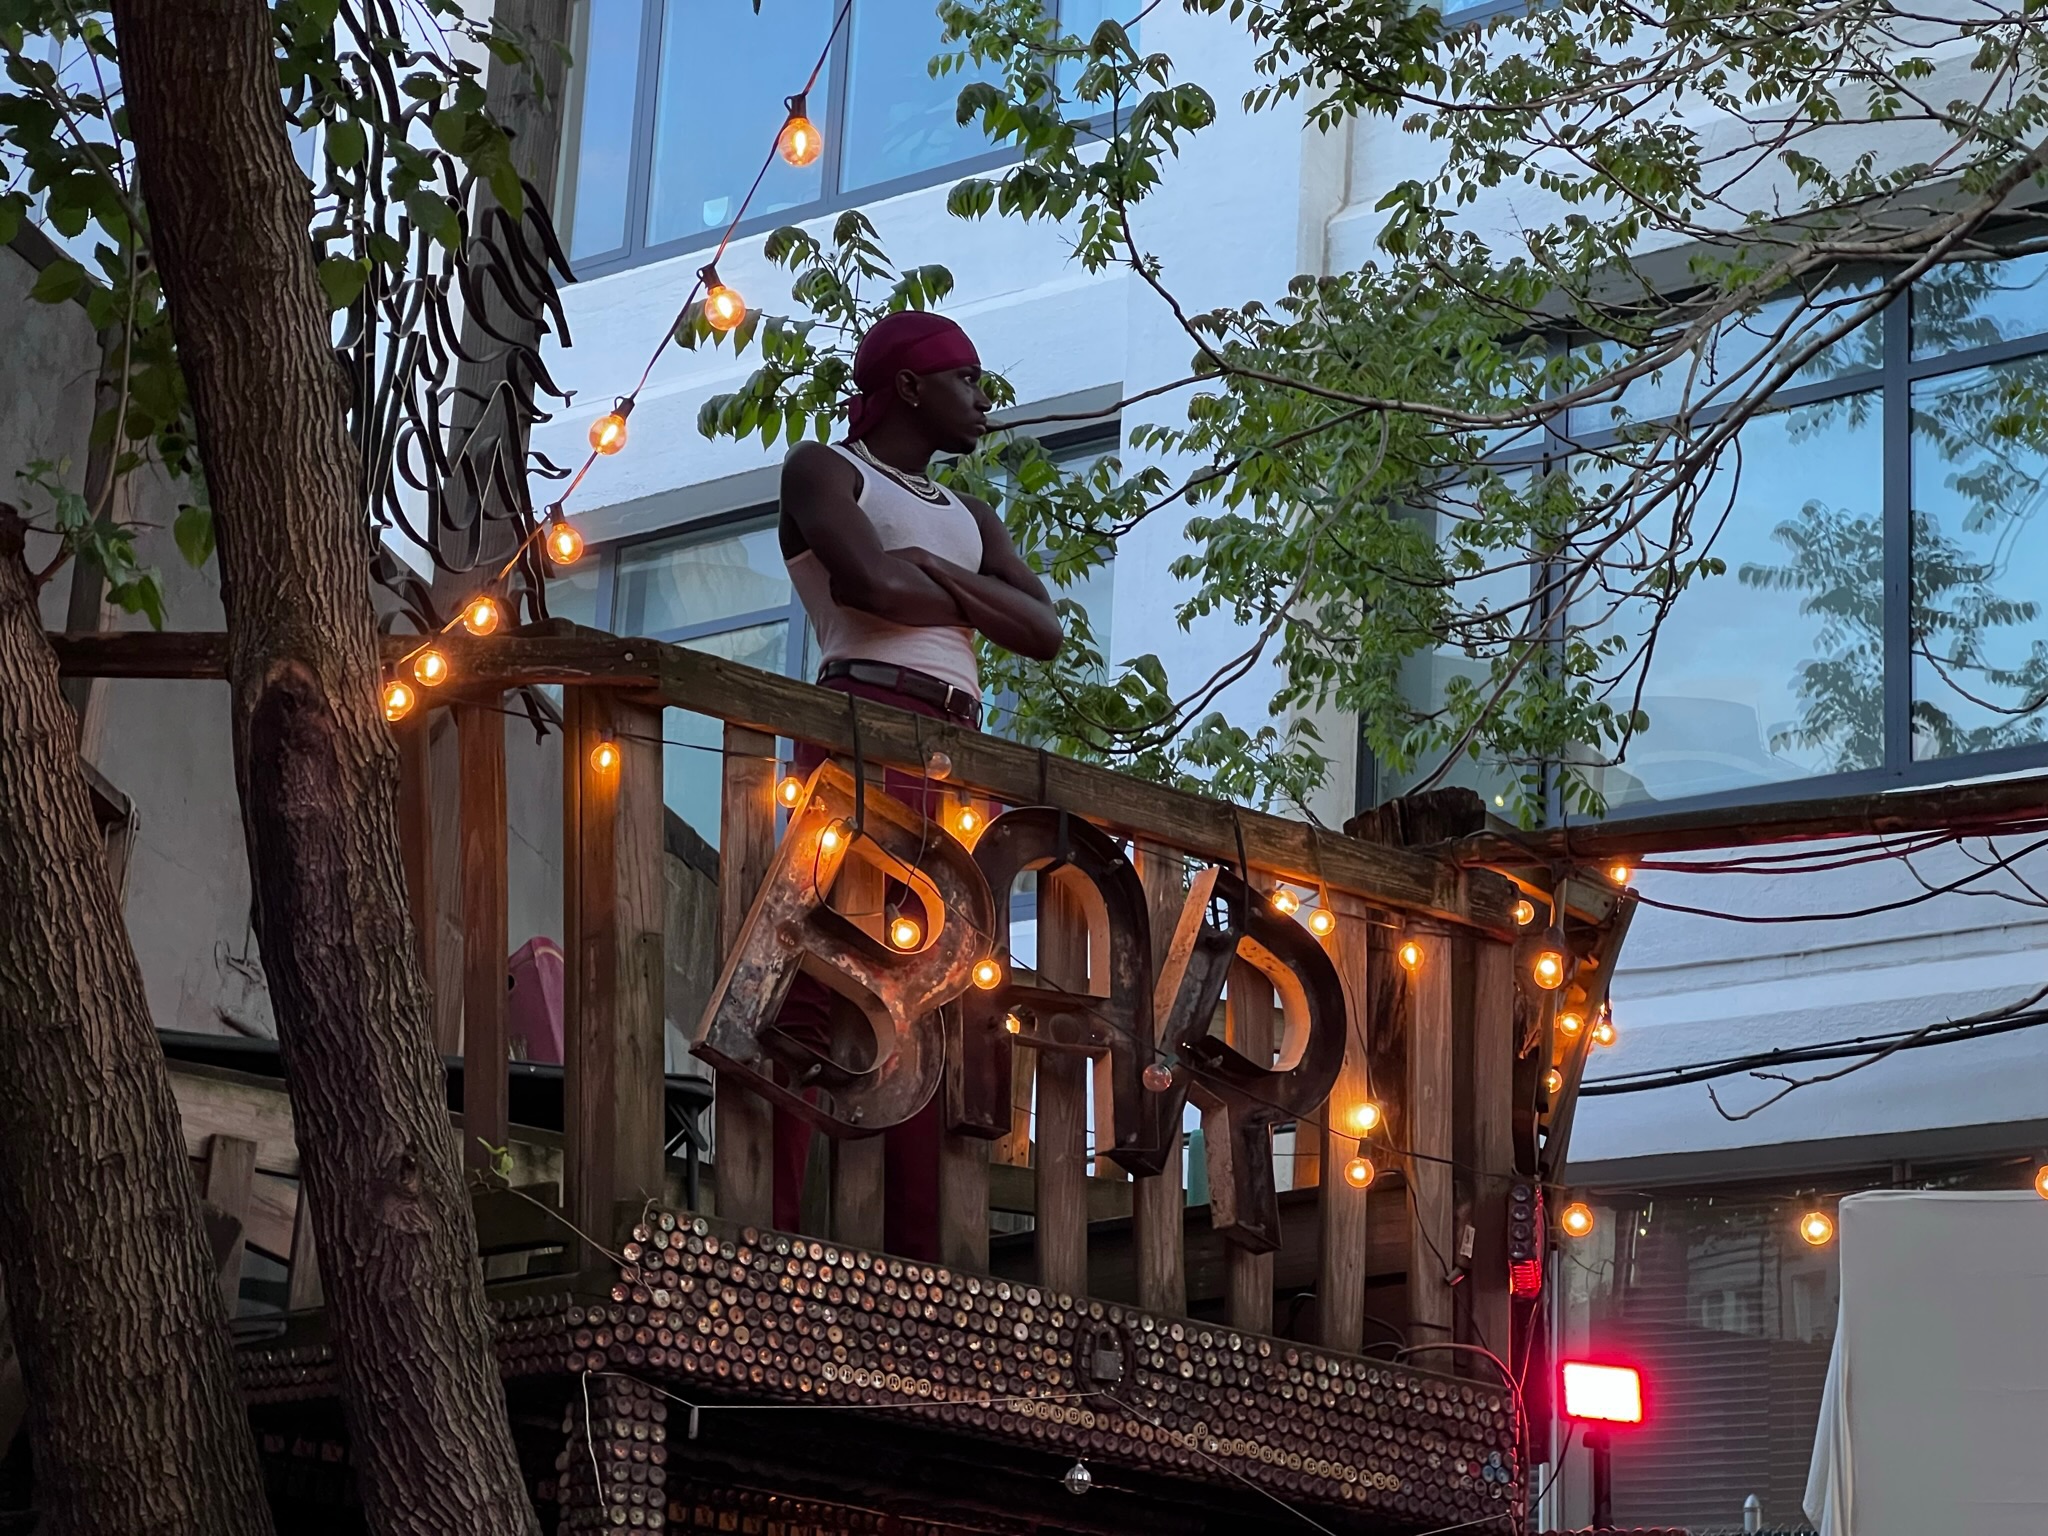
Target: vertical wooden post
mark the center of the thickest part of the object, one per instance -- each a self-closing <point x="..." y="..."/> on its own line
<point x="416" y="843"/>
<point x="743" y="1123"/>
<point x="858" y="1163"/>
<point x="1427" y="1117"/>
<point x="1491" y="1143"/>
<point x="303" y="1291"/>
<point x="1014" y="1149"/>
<point x="1341" y="1208"/>
<point x="1062" y="1229"/>
<point x="229" y="1187"/>
<point x="1250" y="1021"/>
<point x="1158" y="1202"/>
<point x="485" y="935"/>
<point x="963" y="1201"/>
<point x="612" y="1088"/>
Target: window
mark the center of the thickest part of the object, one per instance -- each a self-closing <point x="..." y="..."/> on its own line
<point x="673" y="102"/>
<point x="1880" y="616"/>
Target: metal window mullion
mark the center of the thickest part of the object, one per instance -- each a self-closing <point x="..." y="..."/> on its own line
<point x="838" y="70"/>
<point x="607" y="589"/>
<point x="640" y="163"/>
<point x="1975" y="357"/>
<point x="1897" y="421"/>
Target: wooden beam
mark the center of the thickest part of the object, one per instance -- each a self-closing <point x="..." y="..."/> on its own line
<point x="1009" y="772"/>
<point x="1250" y="1024"/>
<point x="273" y="1207"/>
<point x="1016" y="1190"/>
<point x="1427" y="1118"/>
<point x="1487" y="1140"/>
<point x="1157" y="1223"/>
<point x="1342" y="1211"/>
<point x="858" y="1164"/>
<point x="228" y="1185"/>
<point x="303" y="1290"/>
<point x="486" y="1090"/>
<point x="1062" y="1227"/>
<point x="213" y="1101"/>
<point x="743" y="1121"/>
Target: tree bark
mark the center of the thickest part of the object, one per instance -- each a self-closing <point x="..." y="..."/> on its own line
<point x="133" y="1412"/>
<point x="318" y="772"/>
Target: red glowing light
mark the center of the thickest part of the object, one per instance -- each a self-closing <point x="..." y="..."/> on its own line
<point x="1608" y="1394"/>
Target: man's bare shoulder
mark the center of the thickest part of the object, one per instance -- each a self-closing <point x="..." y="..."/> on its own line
<point x="815" y="466"/>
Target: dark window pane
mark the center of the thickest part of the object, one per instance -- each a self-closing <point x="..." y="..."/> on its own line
<point x="572" y="592"/>
<point x="1980" y="638"/>
<point x="607" y="76"/>
<point x="1774" y="670"/>
<point x="685" y="582"/>
<point x="1977" y="303"/>
<point x="692" y="772"/>
<point x="724" y="74"/>
<point x="899" y="120"/>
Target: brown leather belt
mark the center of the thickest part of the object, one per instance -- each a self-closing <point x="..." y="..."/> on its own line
<point x="954" y="702"/>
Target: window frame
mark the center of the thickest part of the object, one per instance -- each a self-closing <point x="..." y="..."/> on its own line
<point x="1893" y="381"/>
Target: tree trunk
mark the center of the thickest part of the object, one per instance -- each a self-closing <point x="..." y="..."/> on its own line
<point x="132" y="1407"/>
<point x="318" y="772"/>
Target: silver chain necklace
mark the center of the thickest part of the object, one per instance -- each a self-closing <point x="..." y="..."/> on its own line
<point x="919" y="486"/>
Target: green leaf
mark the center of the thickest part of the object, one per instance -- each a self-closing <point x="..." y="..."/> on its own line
<point x="193" y="530"/>
<point x="143" y="594"/>
<point x="343" y="278"/>
<point x="422" y="86"/>
<point x="347" y="144"/>
<point x="13" y="208"/>
<point x="432" y="214"/>
<point x="58" y="282"/>
<point x="449" y="126"/>
<point x="507" y="189"/>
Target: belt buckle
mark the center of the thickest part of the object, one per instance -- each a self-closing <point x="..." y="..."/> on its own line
<point x="953" y="689"/>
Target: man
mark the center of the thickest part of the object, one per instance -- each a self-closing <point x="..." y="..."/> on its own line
<point x="898" y="575"/>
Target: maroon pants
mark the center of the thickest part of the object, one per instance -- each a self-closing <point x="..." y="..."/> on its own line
<point x="910" y="1151"/>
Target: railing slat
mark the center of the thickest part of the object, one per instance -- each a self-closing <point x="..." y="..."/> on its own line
<point x="1158" y="1202"/>
<point x="1343" y="1261"/>
<point x="859" y="1164"/>
<point x="1249" y="1017"/>
<point x="1427" y="1121"/>
<point x="480" y="730"/>
<point x="744" y="1122"/>
<point x="1488" y="1145"/>
<point x="1062" y="1219"/>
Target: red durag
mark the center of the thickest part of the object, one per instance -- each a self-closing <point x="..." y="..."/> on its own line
<point x="912" y="339"/>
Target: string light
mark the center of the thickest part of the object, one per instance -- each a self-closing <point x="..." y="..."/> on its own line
<point x="967" y="821"/>
<point x="1818" y="1228"/>
<point x="1569" y="1024"/>
<point x="790" y="791"/>
<point x="1079" y="1479"/>
<point x="1553" y="1082"/>
<point x="831" y="838"/>
<point x="723" y="307"/>
<point x="904" y="933"/>
<point x="482" y="615"/>
<point x="1364" y="1116"/>
<point x="1576" y="1219"/>
<point x="431" y="667"/>
<point x="604" y="757"/>
<point x="1013" y="1024"/>
<point x="1158" y="1076"/>
<point x="1410" y="955"/>
<point x="399" y="700"/>
<point x="799" y="142"/>
<point x="1358" y="1172"/>
<point x="988" y="974"/>
<point x="1525" y="913"/>
<point x="1603" y="1031"/>
<point x="1547" y="966"/>
<point x="1284" y="901"/>
<point x="2041" y="1181"/>
<point x="1618" y="873"/>
<point x="565" y="542"/>
<point x="939" y="765"/>
<point x="1322" y="922"/>
<point x="608" y="432"/>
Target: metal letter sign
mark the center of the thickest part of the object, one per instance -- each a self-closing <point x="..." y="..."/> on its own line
<point x="790" y="929"/>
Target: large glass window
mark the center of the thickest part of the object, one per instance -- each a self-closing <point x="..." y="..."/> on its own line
<point x="673" y="103"/>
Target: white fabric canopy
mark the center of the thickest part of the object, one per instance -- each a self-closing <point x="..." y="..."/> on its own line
<point x="1935" y="1416"/>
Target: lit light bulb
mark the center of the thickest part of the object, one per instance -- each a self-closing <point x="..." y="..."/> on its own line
<point x="1553" y="1081"/>
<point x="1817" y="1227"/>
<point x="399" y="700"/>
<point x="481" y="616"/>
<point x="904" y="933"/>
<point x="831" y="838"/>
<point x="565" y="543"/>
<point x="723" y="307"/>
<point x="1358" y="1173"/>
<point x="1576" y="1219"/>
<point x="1284" y="901"/>
<point x="1365" y="1116"/>
<point x="1322" y="922"/>
<point x="1569" y="1024"/>
<point x="1410" y="955"/>
<point x="2041" y="1181"/>
<point x="967" y="821"/>
<point x="1158" y="1076"/>
<point x="988" y="974"/>
<point x="431" y="668"/>
<point x="1525" y="913"/>
<point x="1603" y="1031"/>
<point x="1013" y="1024"/>
<point x="608" y="432"/>
<point x="790" y="791"/>
<point x="799" y="143"/>
<point x="1619" y="873"/>
<point x="604" y="757"/>
<point x="1548" y="966"/>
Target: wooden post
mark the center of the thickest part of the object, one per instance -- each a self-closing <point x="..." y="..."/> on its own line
<point x="1158" y="1202"/>
<point x="1427" y="1118"/>
<point x="1250" y="1022"/>
<point x="1014" y="1150"/>
<point x="963" y="1201"/>
<point x="416" y="838"/>
<point x="229" y="1187"/>
<point x="613" y="1042"/>
<point x="743" y="1123"/>
<point x="485" y="931"/>
<point x="1062" y="1218"/>
<point x="858" y="1163"/>
<point x="303" y="1290"/>
<point x="1489" y="1146"/>
<point x="1342" y="1208"/>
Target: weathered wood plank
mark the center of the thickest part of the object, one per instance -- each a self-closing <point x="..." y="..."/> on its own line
<point x="273" y="1207"/>
<point x="1157" y="1224"/>
<point x="744" y="1122"/>
<point x="964" y="1202"/>
<point x="486" y="937"/>
<point x="1250" y="1025"/>
<point x="303" y="1290"/>
<point x="1428" y="1125"/>
<point x="1342" y="1212"/>
<point x="228" y="1186"/>
<point x="1062" y="1100"/>
<point x="1016" y="1190"/>
<point x="858" y="1171"/>
<point x="215" y="1102"/>
<point x="1491" y="1140"/>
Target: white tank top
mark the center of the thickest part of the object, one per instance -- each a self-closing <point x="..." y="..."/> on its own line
<point x="902" y="519"/>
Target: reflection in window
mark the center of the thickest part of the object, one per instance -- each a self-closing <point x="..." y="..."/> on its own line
<point x="1979" y="304"/>
<point x="692" y="582"/>
<point x="703" y="109"/>
<point x="692" y="758"/>
<point x="1980" y="638"/>
<point x="572" y="592"/>
<point x="1774" y="670"/>
<point x="900" y="120"/>
<point x="600" y="153"/>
